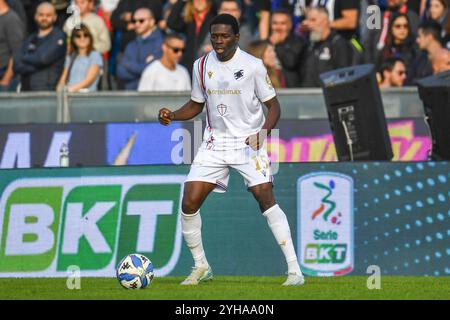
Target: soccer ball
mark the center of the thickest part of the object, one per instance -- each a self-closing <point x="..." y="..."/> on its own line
<point x="135" y="271"/>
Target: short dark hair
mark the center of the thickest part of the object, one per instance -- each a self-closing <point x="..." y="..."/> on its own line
<point x="173" y="35"/>
<point x="389" y="64"/>
<point x="431" y="27"/>
<point x="226" y="19"/>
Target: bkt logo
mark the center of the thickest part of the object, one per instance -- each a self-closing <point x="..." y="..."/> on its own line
<point x="48" y="224"/>
<point x="325" y="223"/>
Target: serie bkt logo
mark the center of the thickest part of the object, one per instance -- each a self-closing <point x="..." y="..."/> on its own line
<point x="325" y="223"/>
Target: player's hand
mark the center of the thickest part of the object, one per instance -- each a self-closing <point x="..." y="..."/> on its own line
<point x="256" y="141"/>
<point x="165" y="116"/>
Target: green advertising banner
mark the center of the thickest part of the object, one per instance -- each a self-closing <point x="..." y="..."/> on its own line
<point x="344" y="217"/>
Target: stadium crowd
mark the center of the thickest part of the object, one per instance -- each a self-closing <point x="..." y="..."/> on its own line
<point x="150" y="45"/>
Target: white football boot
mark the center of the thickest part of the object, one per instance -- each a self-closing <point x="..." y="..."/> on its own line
<point x="294" y="279"/>
<point x="198" y="274"/>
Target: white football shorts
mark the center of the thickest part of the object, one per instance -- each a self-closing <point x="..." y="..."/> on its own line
<point x="214" y="167"/>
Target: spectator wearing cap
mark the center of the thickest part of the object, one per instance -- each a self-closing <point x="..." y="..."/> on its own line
<point x="139" y="53"/>
<point x="327" y="49"/>
<point x="40" y="61"/>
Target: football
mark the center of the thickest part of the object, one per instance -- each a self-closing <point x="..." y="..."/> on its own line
<point x="135" y="271"/>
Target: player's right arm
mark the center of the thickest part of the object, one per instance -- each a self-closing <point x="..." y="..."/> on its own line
<point x="193" y="107"/>
<point x="190" y="110"/>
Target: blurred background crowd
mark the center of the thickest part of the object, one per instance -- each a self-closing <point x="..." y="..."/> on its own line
<point x="150" y="45"/>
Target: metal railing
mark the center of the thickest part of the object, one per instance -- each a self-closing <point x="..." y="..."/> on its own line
<point x="124" y="106"/>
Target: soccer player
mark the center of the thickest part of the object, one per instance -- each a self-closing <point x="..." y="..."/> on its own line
<point x="233" y="86"/>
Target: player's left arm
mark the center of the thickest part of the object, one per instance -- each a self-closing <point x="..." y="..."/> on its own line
<point x="256" y="141"/>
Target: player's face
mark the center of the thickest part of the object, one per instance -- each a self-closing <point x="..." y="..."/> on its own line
<point x="224" y="41"/>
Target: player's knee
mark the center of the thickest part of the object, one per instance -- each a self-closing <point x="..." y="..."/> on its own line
<point x="264" y="196"/>
<point x="189" y="206"/>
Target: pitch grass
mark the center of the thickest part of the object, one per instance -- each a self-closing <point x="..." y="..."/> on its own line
<point x="231" y="288"/>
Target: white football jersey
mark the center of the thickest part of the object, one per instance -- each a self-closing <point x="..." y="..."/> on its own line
<point x="233" y="92"/>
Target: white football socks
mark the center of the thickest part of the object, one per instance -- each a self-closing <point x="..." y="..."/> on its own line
<point x="191" y="226"/>
<point x="279" y="225"/>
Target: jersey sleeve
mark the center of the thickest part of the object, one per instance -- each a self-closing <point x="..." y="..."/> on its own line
<point x="263" y="86"/>
<point x="197" y="91"/>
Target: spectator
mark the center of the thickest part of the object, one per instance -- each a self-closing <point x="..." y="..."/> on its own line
<point x="141" y="51"/>
<point x="417" y="6"/>
<point x="327" y="50"/>
<point x="233" y="7"/>
<point x="83" y="67"/>
<point x="377" y="38"/>
<point x="192" y="17"/>
<point x="41" y="58"/>
<point x="104" y="11"/>
<point x="393" y="73"/>
<point x="11" y="36"/>
<point x="122" y="18"/>
<point x="166" y="74"/>
<point x="343" y="15"/>
<point x="289" y="47"/>
<point x="400" y="42"/>
<point x="438" y="11"/>
<point x="265" y="51"/>
<point x="96" y="25"/>
<point x="428" y="39"/>
<point x="265" y="7"/>
<point x="18" y="7"/>
<point x="442" y="61"/>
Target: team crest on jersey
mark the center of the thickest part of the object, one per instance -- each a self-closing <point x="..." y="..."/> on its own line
<point x="239" y="74"/>
<point x="210" y="74"/>
<point x="222" y="109"/>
